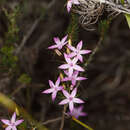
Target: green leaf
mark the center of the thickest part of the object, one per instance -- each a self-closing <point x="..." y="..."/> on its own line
<point x="128" y="19"/>
<point x="122" y="2"/>
<point x="24" y="78"/>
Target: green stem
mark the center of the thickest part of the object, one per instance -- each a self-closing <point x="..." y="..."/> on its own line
<point x="81" y="123"/>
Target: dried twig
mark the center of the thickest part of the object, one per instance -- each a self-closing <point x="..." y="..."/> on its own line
<point x="26" y="37"/>
<point x="33" y="27"/>
<point x="63" y="117"/>
<point x="92" y="54"/>
<point x="52" y="120"/>
<point x="91" y="10"/>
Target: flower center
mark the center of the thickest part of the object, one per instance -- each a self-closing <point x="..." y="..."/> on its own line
<point x="55" y="89"/>
<point x="72" y="78"/>
<point x="12" y="124"/>
<point x="77" y="51"/>
<point x="71" y="64"/>
<point x="70" y="98"/>
<point x="60" y="46"/>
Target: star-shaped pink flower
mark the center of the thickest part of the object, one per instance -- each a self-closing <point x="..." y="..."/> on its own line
<point x="77" y="112"/>
<point x="54" y="88"/>
<point x="70" y="99"/>
<point x="70" y="2"/>
<point x="77" y="52"/>
<point x="73" y="78"/>
<point x="12" y="123"/>
<point x="59" y="44"/>
<point x="71" y="65"/>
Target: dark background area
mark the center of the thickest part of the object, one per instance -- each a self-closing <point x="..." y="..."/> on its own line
<point x="107" y="90"/>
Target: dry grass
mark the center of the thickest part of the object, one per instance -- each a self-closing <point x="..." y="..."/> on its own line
<point x="91" y="10"/>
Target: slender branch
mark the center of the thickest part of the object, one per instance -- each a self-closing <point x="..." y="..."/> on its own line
<point x="63" y="117"/>
<point x="17" y="90"/>
<point x="35" y="24"/>
<point x="92" y="55"/>
<point x="26" y="37"/>
<point x="52" y="120"/>
<point x="56" y="119"/>
<point x="94" y="51"/>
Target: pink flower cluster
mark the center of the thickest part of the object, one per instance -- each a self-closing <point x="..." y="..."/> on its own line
<point x="71" y="71"/>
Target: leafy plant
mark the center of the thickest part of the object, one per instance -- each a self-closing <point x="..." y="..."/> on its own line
<point x="7" y="58"/>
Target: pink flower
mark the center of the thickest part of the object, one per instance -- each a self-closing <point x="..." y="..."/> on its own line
<point x="71" y="65"/>
<point x="12" y="123"/>
<point x="70" y="99"/>
<point x="73" y="78"/>
<point x="54" y="88"/>
<point x="59" y="44"/>
<point x="77" y="51"/>
<point x="77" y="112"/>
<point x="70" y="2"/>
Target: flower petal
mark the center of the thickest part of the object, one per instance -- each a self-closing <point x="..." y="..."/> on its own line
<point x="60" y="46"/>
<point x="65" y="101"/>
<point x="57" y="82"/>
<point x="64" y="39"/>
<point x="80" y="58"/>
<point x="68" y="60"/>
<point x="18" y="122"/>
<point x="77" y="67"/>
<point x="54" y="95"/>
<point x="8" y="128"/>
<point x="56" y="40"/>
<point x="71" y="54"/>
<point x="13" y="118"/>
<point x="66" y="79"/>
<point x="70" y="71"/>
<point x="81" y="78"/>
<point x="64" y="66"/>
<point x="71" y="48"/>
<point x="14" y="128"/>
<point x="71" y="106"/>
<point x="64" y="43"/>
<point x="83" y="114"/>
<point x="50" y="90"/>
<point x="77" y="100"/>
<point x="7" y="122"/>
<point x="73" y="94"/>
<point x="85" y="51"/>
<point x="73" y="82"/>
<point x="74" y="61"/>
<point x="80" y="108"/>
<point x="66" y="72"/>
<point x="80" y="44"/>
<point x="66" y="94"/>
<point x="76" y="73"/>
<point x="69" y="5"/>
<point x="51" y="84"/>
<point x="52" y="47"/>
<point x="60" y="88"/>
